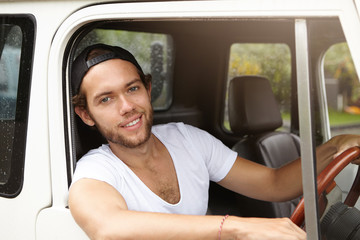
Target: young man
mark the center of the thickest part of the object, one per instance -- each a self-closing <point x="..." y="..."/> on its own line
<point x="151" y="182"/>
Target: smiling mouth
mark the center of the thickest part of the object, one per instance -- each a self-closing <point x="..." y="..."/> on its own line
<point x="132" y="123"/>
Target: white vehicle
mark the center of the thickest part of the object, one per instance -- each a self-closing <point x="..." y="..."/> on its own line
<point x="193" y="49"/>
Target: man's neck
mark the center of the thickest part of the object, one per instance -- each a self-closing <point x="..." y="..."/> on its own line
<point x="140" y="156"/>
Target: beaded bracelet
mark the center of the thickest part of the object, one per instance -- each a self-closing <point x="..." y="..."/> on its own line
<point x="221" y="225"/>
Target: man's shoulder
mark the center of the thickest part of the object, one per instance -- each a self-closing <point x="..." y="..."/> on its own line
<point x="173" y="127"/>
<point x="101" y="152"/>
<point x="177" y="130"/>
<point x="166" y="126"/>
<point x="170" y="130"/>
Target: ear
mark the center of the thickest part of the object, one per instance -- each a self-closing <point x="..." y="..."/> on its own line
<point x="84" y="115"/>
<point x="149" y="90"/>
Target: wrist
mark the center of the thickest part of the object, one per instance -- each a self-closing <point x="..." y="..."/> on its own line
<point x="229" y="228"/>
<point x="221" y="226"/>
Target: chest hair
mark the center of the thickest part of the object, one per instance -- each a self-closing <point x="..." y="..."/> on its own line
<point x="162" y="180"/>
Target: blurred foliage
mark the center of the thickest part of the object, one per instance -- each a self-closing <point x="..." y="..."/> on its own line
<point x="338" y="56"/>
<point x="338" y="64"/>
<point x="270" y="60"/>
<point x="138" y="43"/>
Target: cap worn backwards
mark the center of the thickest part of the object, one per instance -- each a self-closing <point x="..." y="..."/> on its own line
<point x="81" y="65"/>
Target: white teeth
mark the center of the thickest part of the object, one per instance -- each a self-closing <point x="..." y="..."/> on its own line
<point x="133" y="122"/>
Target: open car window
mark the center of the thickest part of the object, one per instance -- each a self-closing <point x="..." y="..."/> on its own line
<point x="270" y="60"/>
<point x="342" y="90"/>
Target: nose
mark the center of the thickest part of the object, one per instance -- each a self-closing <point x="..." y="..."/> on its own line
<point x="125" y="105"/>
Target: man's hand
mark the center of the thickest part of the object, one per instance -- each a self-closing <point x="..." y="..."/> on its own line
<point x="261" y="228"/>
<point x="343" y="142"/>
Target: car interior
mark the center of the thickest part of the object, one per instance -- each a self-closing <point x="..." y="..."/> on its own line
<point x="200" y="92"/>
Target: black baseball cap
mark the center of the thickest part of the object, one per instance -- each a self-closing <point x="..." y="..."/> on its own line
<point x="81" y="65"/>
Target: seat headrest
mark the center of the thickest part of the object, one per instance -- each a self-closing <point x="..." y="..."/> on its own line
<point x="252" y="106"/>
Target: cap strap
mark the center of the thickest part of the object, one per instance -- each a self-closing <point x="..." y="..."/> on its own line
<point x="100" y="59"/>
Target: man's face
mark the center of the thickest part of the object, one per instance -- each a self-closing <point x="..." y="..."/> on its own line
<point x="118" y="103"/>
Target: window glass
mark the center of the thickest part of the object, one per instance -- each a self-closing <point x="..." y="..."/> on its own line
<point x="9" y="70"/>
<point x="342" y="90"/>
<point x="153" y="51"/>
<point x="272" y="61"/>
<point x="16" y="46"/>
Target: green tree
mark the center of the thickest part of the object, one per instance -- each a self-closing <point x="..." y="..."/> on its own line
<point x="338" y="64"/>
<point x="269" y="60"/>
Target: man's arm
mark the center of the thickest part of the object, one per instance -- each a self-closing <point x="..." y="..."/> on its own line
<point x="102" y="213"/>
<point x="285" y="183"/>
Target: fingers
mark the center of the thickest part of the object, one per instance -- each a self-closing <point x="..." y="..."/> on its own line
<point x="288" y="230"/>
<point x="349" y="141"/>
<point x="343" y="142"/>
<point x="356" y="161"/>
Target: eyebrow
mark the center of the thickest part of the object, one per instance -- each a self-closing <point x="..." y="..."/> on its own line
<point x="132" y="82"/>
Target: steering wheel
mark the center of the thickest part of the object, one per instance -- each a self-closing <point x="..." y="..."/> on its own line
<point x="326" y="183"/>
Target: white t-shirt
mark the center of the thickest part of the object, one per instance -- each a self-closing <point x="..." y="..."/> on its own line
<point x="198" y="157"/>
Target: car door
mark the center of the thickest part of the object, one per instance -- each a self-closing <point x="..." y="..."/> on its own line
<point x="148" y="16"/>
<point x="22" y="189"/>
